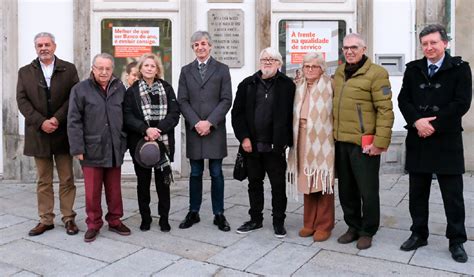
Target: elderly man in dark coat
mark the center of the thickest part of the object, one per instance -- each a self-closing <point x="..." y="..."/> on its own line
<point x="435" y="94"/>
<point x="205" y="97"/>
<point x="97" y="140"/>
<point x="42" y="95"/>
<point x="262" y="118"/>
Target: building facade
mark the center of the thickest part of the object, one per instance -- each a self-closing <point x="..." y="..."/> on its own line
<point x="240" y="29"/>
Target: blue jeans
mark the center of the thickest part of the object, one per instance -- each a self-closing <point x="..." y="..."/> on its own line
<point x="217" y="185"/>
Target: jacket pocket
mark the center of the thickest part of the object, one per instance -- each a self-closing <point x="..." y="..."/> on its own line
<point x="361" y="118"/>
<point x="94" y="149"/>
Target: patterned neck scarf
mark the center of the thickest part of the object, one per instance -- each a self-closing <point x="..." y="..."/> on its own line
<point x="318" y="159"/>
<point x="153" y="112"/>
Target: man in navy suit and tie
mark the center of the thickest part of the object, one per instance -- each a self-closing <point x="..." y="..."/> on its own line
<point x="205" y="97"/>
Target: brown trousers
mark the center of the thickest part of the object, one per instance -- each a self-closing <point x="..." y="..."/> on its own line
<point x="45" y="191"/>
<point x="318" y="212"/>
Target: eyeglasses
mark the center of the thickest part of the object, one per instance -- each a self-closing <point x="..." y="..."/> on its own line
<point x="101" y="69"/>
<point x="352" y="48"/>
<point x="311" y="67"/>
<point x="270" y="61"/>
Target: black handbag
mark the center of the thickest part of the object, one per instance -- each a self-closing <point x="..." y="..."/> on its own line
<point x="240" y="167"/>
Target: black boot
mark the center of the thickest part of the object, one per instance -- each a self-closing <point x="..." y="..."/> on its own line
<point x="164" y="224"/>
<point x="145" y="225"/>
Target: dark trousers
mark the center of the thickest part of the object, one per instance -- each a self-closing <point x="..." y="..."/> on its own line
<point x="217" y="185"/>
<point x="451" y="187"/>
<point x="110" y="177"/>
<point x="274" y="164"/>
<point x="358" y="175"/>
<point x="143" y="192"/>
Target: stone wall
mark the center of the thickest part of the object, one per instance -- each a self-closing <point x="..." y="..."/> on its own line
<point x="17" y="166"/>
<point x="464" y="46"/>
<point x="13" y="161"/>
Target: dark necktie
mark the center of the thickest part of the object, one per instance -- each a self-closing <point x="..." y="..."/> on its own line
<point x="432" y="70"/>
<point x="202" y="70"/>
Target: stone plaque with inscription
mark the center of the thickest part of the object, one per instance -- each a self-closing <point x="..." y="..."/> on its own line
<point x="226" y="27"/>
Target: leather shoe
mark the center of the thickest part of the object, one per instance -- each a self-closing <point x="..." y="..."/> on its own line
<point x="364" y="242"/>
<point x="190" y="219"/>
<point x="458" y="253"/>
<point x="91" y="235"/>
<point x="71" y="228"/>
<point x="40" y="228"/>
<point x="221" y="222"/>
<point x="120" y="229"/>
<point x="348" y="237"/>
<point x="413" y="242"/>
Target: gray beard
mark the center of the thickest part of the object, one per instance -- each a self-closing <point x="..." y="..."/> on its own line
<point x="267" y="73"/>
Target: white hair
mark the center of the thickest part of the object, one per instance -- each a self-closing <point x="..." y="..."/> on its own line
<point x="356" y="36"/>
<point x="44" y="34"/>
<point x="104" y="56"/>
<point x="273" y="53"/>
<point x="315" y="56"/>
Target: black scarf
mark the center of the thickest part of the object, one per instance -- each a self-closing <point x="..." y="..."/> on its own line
<point x="350" y="69"/>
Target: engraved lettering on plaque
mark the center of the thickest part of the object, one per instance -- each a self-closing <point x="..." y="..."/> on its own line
<point x="226" y="27"/>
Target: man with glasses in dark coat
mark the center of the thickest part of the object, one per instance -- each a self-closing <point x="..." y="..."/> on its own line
<point x="97" y="140"/>
<point x="262" y="118"/>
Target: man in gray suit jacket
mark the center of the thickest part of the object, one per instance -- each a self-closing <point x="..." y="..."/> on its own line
<point x="205" y="97"/>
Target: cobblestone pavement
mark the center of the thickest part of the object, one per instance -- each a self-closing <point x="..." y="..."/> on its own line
<point x="203" y="250"/>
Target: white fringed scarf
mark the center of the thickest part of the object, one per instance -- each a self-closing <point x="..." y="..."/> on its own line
<point x="319" y="153"/>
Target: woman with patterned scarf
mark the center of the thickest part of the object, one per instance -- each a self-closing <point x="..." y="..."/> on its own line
<point x="311" y="159"/>
<point x="150" y="114"/>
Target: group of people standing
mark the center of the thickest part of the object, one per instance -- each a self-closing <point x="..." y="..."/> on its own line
<point x="319" y="122"/>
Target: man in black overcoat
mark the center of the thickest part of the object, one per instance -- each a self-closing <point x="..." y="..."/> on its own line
<point x="262" y="118"/>
<point x="435" y="94"/>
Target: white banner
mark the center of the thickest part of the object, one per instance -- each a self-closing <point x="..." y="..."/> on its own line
<point x="136" y="36"/>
